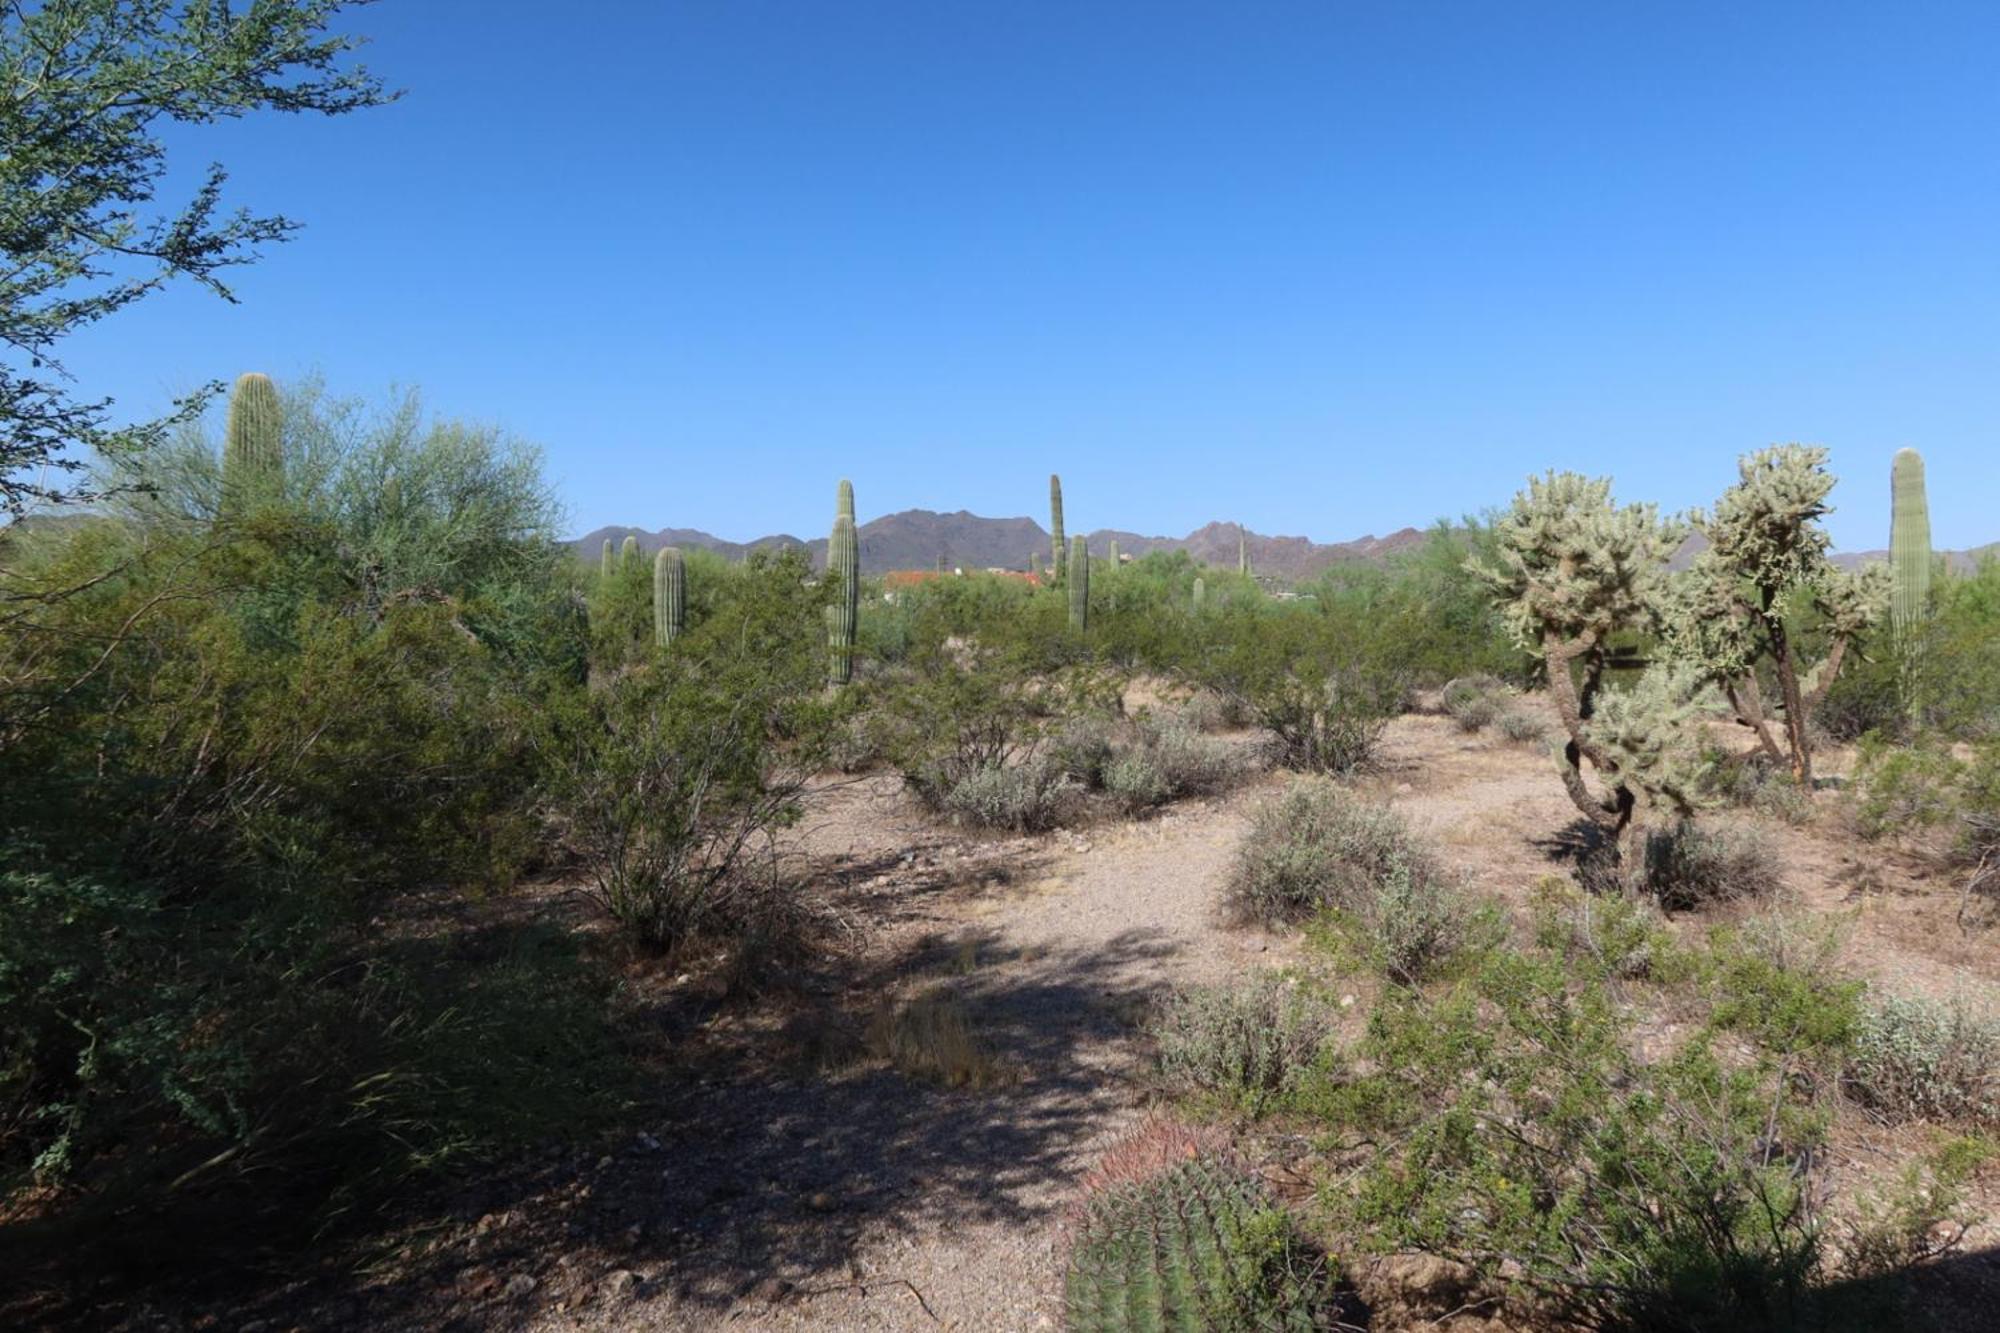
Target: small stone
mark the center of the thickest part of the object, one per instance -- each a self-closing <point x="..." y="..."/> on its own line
<point x="520" y="1285"/>
<point x="649" y="1143"/>
<point x="619" y="1284"/>
<point x="478" y="1283"/>
<point x="820" y="1202"/>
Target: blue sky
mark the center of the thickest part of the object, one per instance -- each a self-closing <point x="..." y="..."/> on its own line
<point x="1326" y="269"/>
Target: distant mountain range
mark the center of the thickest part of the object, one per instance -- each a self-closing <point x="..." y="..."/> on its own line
<point x="919" y="538"/>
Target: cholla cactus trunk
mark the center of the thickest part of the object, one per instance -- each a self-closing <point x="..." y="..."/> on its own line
<point x="669" y="595"/>
<point x="1057" y="547"/>
<point x="628" y="553"/>
<point x="605" y="566"/>
<point x="1200" y="594"/>
<point x="1079" y="586"/>
<point x="843" y="565"/>
<point x="253" y="449"/>
<point x="1909" y="565"/>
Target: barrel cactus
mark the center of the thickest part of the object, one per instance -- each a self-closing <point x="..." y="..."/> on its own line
<point x="843" y="566"/>
<point x="1199" y="1245"/>
<point x="253" y="448"/>
<point x="1056" y="544"/>
<point x="669" y="595"/>
<point x="1079" y="585"/>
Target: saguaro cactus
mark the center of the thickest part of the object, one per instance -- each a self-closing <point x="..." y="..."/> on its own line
<point x="669" y="595"/>
<point x="1034" y="562"/>
<point x="1242" y="552"/>
<point x="1909" y="542"/>
<point x="1200" y="594"/>
<point x="843" y="565"/>
<point x="628" y="553"/>
<point x="1114" y="553"/>
<point x="843" y="501"/>
<point x="604" y="569"/>
<point x="253" y="441"/>
<point x="1079" y="585"/>
<point x="1056" y="544"/>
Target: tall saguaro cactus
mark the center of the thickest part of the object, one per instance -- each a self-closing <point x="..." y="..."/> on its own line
<point x="1242" y="552"/>
<point x="253" y="449"/>
<point x="1200" y="594"/>
<point x="1114" y="553"/>
<point x="604" y="569"/>
<point x="1909" y="565"/>
<point x="1034" y="562"/>
<point x="1056" y="544"/>
<point x="843" y="565"/>
<point x="1909" y="542"/>
<point x="669" y="595"/>
<point x="628" y="553"/>
<point x="1079" y="585"/>
<point x="843" y="501"/>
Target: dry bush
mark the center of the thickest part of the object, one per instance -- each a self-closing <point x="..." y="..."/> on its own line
<point x="930" y="1036"/>
<point x="1688" y="867"/>
<point x="1251" y="1042"/>
<point x="1921" y="1059"/>
<point x="1518" y="724"/>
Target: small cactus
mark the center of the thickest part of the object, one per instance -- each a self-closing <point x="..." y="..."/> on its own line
<point x="1200" y="594"/>
<point x="1056" y="543"/>
<point x="1199" y="1245"/>
<point x="669" y="595"/>
<point x="253" y="449"/>
<point x="1079" y="586"/>
<point x="628" y="553"/>
<point x="843" y="565"/>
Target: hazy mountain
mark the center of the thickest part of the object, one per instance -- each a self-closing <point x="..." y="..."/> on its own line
<point x="1960" y="562"/>
<point x="918" y="538"/>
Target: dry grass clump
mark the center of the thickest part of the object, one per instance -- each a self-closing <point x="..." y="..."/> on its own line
<point x="930" y="1036"/>
<point x="1690" y="867"/>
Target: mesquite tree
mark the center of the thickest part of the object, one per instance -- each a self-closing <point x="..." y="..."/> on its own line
<point x="1577" y="576"/>
<point x="1767" y="561"/>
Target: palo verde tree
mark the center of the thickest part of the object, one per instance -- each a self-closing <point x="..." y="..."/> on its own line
<point x="1577" y="578"/>
<point x="1766" y="563"/>
<point x="87" y="90"/>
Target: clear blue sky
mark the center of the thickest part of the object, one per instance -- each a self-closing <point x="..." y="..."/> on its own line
<point x="1324" y="268"/>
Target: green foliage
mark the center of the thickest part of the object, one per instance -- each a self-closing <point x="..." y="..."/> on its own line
<point x="1610" y="936"/>
<point x="1199" y="1245"/>
<point x="1519" y="1137"/>
<point x="91" y="89"/>
<point x="1774" y="979"/>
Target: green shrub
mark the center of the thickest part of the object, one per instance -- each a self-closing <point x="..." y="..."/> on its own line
<point x="1755" y="782"/>
<point x="1519" y="725"/>
<point x="1252" y="1043"/>
<point x="1776" y="979"/>
<point x="1474" y="702"/>
<point x="1199" y="1245"/>
<point x="1312" y="847"/>
<point x="1921" y="1059"/>
<point x="1689" y="868"/>
<point x="1136" y="780"/>
<point x="1027" y="797"/>
<point x="1617" y="937"/>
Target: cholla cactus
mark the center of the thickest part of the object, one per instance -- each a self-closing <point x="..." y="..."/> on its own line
<point x="1079" y="586"/>
<point x="253" y="447"/>
<point x="1574" y="571"/>
<point x="669" y="595"/>
<point x="1767" y="555"/>
<point x="1057" y="547"/>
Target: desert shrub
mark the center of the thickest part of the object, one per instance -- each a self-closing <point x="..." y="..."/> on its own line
<point x="1135" y="779"/>
<point x="1916" y="1217"/>
<point x="1313" y="847"/>
<point x="1474" y="702"/>
<point x="1170" y="760"/>
<point x="1200" y="1244"/>
<point x="1418" y="918"/>
<point x="1516" y="1134"/>
<point x="1206" y="711"/>
<point x="1518" y="724"/>
<point x="1755" y="782"/>
<point x="1027" y="797"/>
<point x="1618" y="937"/>
<point x="1776" y="979"/>
<point x="1690" y="867"/>
<point x="1083" y="748"/>
<point x="1921" y="1059"/>
<point x="1252" y="1043"/>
